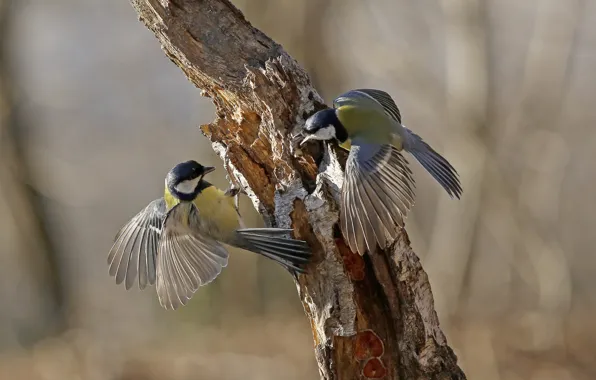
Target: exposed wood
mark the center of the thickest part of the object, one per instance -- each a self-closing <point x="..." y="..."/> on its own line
<point x="371" y="317"/>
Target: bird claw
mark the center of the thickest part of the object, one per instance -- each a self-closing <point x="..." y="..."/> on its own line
<point x="234" y="191"/>
<point x="295" y="141"/>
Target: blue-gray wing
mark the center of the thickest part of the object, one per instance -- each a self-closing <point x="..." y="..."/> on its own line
<point x="375" y="98"/>
<point x="434" y="163"/>
<point x="377" y="193"/>
<point x="135" y="247"/>
<point x="188" y="257"/>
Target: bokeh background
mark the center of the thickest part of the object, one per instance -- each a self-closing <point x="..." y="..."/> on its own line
<point x="93" y="115"/>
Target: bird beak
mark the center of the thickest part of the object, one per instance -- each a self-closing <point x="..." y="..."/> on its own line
<point x="296" y="137"/>
<point x="208" y="169"/>
<point x="309" y="137"/>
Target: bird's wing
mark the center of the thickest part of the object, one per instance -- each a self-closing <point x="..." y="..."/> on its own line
<point x="377" y="193"/>
<point x="135" y="246"/>
<point x="434" y="163"/>
<point x="378" y="97"/>
<point x="187" y="256"/>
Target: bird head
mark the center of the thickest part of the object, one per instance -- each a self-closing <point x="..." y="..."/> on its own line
<point x="324" y="125"/>
<point x="183" y="181"/>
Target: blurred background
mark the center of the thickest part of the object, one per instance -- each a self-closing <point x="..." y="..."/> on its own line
<point x="93" y="115"/>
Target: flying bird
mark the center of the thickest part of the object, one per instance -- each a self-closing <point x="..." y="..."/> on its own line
<point x="378" y="189"/>
<point x="177" y="241"/>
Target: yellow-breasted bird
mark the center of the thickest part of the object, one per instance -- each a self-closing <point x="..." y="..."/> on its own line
<point x="378" y="189"/>
<point x="176" y="242"/>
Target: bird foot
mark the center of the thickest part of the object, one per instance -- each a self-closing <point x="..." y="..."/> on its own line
<point x="235" y="191"/>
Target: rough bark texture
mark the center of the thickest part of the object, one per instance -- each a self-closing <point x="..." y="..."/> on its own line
<point x="371" y="316"/>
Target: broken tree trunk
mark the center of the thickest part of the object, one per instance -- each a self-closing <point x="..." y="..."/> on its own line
<point x="371" y="316"/>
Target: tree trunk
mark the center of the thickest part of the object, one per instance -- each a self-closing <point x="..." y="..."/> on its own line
<point x="371" y="316"/>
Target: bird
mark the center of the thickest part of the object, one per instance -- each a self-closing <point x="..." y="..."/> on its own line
<point x="177" y="242"/>
<point x="378" y="187"/>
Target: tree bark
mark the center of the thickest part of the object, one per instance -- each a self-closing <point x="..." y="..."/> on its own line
<point x="371" y="316"/>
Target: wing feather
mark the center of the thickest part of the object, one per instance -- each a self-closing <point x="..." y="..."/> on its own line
<point x="134" y="250"/>
<point x="376" y="196"/>
<point x="441" y="170"/>
<point x="377" y="96"/>
<point x="187" y="257"/>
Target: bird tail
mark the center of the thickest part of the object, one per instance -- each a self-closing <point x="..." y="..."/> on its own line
<point x="272" y="243"/>
<point x="434" y="163"/>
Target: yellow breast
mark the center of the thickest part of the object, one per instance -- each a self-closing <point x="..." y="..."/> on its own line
<point x="219" y="208"/>
<point x="213" y="204"/>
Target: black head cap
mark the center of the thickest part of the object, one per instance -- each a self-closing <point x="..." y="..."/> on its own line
<point x="186" y="171"/>
<point x="323" y="119"/>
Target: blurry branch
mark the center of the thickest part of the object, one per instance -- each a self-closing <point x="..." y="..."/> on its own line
<point x="534" y="143"/>
<point x="371" y="316"/>
<point x="32" y="247"/>
<point x="466" y="87"/>
<point x="315" y="51"/>
<point x="517" y="177"/>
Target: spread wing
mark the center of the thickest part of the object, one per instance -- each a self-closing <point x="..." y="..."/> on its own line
<point x="187" y="257"/>
<point x="135" y="247"/>
<point x="376" y="97"/>
<point x="437" y="165"/>
<point x="377" y="194"/>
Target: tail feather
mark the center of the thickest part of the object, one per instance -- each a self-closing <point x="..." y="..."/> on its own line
<point x="280" y="250"/>
<point x="434" y="163"/>
<point x="290" y="253"/>
<point x="284" y="253"/>
<point x="280" y="243"/>
<point x="286" y="241"/>
<point x="268" y="231"/>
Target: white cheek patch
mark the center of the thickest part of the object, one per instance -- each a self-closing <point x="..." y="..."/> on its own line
<point x="326" y="133"/>
<point x="188" y="186"/>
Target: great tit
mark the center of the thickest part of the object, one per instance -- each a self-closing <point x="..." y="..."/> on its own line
<point x="378" y="189"/>
<point x="176" y="242"/>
